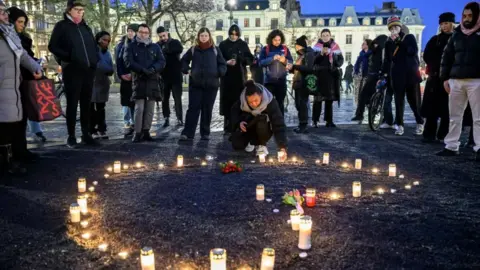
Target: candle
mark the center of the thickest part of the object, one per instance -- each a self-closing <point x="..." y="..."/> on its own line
<point x="281" y="156"/>
<point x="375" y="170"/>
<point x="393" y="190"/>
<point x="204" y="163"/>
<point x="261" y="158"/>
<point x="106" y="175"/>
<point x="317" y="161"/>
<point x="268" y="259"/>
<point x="311" y="199"/>
<point x="125" y="167"/>
<point x="416" y="183"/>
<point x="392" y="170"/>
<point x="117" y="167"/>
<point x="147" y="259"/>
<point x="408" y="186"/>
<point x="218" y="259"/>
<point x="103" y="247"/>
<point x="260" y="192"/>
<point x="294" y="159"/>
<point x="82" y="202"/>
<point x="75" y="213"/>
<point x="295" y="219"/>
<point x="305" y="233"/>
<point x="356" y="189"/>
<point x="270" y="160"/>
<point x="380" y="191"/>
<point x="138" y="165"/>
<point x="334" y="196"/>
<point x="86" y="235"/>
<point x="326" y="158"/>
<point x="91" y="189"/>
<point x="345" y="165"/>
<point x="95" y="183"/>
<point x="84" y="223"/>
<point x="358" y="164"/>
<point x="109" y="169"/>
<point x="179" y="161"/>
<point x="123" y="255"/>
<point x="161" y="166"/>
<point x="82" y="185"/>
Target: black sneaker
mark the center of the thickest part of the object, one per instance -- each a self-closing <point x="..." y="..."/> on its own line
<point x="179" y="123"/>
<point x="205" y="138"/>
<point x="167" y="122"/>
<point x="39" y="137"/>
<point x="72" y="142"/>
<point x="185" y="138"/>
<point x="330" y="124"/>
<point x="128" y="131"/>
<point x="88" y="140"/>
<point x="137" y="137"/>
<point x="447" y="153"/>
<point x="301" y="130"/>
<point x="316" y="125"/>
<point x="146" y="136"/>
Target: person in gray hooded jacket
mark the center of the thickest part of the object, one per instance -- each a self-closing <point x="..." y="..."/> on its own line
<point x="12" y="56"/>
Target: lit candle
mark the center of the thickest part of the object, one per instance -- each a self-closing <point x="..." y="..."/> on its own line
<point x="138" y="165"/>
<point x="260" y="192"/>
<point x="294" y="159"/>
<point x="295" y="219"/>
<point x="345" y="165"/>
<point x="75" y="213"/>
<point x="82" y="185"/>
<point x="270" y="160"/>
<point x="204" y="163"/>
<point x="375" y="170"/>
<point x="179" y="161"/>
<point x="392" y="170"/>
<point x="106" y="175"/>
<point x="358" y="164"/>
<point x="305" y="233"/>
<point x="125" y="167"/>
<point x="147" y="259"/>
<point x="91" y="189"/>
<point x="311" y="199"/>
<point x="380" y="191"/>
<point x="86" y="235"/>
<point x="268" y="259"/>
<point x="82" y="202"/>
<point x="317" y="161"/>
<point x="161" y="166"/>
<point x="326" y="158"/>
<point x="261" y="158"/>
<point x="408" y="186"/>
<point x="416" y="183"/>
<point x="123" y="255"/>
<point x="109" y="169"/>
<point x="218" y="259"/>
<point x="103" y="247"/>
<point x="334" y="196"/>
<point x="84" y="223"/>
<point x="281" y="156"/>
<point x="356" y="189"/>
<point x="117" y="167"/>
<point x="95" y="183"/>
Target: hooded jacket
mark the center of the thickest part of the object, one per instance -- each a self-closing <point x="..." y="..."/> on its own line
<point x="173" y="69"/>
<point x="375" y="60"/>
<point x="119" y="50"/>
<point x="401" y="60"/>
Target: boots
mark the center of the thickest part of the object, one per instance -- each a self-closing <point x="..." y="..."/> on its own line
<point x="146" y="135"/>
<point x="7" y="165"/>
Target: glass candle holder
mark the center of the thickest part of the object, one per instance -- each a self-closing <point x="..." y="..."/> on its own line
<point x="311" y="197"/>
<point x="82" y="185"/>
<point x="268" y="259"/>
<point x="375" y="170"/>
<point x="326" y="159"/>
<point x="117" y="167"/>
<point x="75" y="213"/>
<point x="358" y="164"/>
<point x="103" y="247"/>
<point x="179" y="161"/>
<point x="109" y="169"/>
<point x="305" y="233"/>
<point x="261" y="158"/>
<point x="82" y="202"/>
<point x="125" y="167"/>
<point x="356" y="189"/>
<point x="260" y="192"/>
<point x="281" y="156"/>
<point x="392" y="170"/>
<point x="295" y="219"/>
<point x="147" y="259"/>
<point x="218" y="259"/>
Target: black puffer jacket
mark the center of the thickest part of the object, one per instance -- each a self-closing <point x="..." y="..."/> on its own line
<point x="74" y="44"/>
<point x="376" y="58"/>
<point x="207" y="66"/>
<point x="401" y="60"/>
<point x="432" y="55"/>
<point x="460" y="59"/>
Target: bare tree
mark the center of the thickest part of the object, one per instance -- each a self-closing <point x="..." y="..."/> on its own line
<point x="186" y="25"/>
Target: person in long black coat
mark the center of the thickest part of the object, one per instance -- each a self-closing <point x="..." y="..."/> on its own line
<point x="255" y="68"/>
<point x="435" y="98"/>
<point x="236" y="53"/>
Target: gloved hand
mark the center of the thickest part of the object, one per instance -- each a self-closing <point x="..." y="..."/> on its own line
<point x="148" y="71"/>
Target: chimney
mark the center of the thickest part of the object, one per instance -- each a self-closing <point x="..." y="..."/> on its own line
<point x="390" y="6"/>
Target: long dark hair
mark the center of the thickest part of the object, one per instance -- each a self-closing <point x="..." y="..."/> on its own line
<point x="274" y="34"/>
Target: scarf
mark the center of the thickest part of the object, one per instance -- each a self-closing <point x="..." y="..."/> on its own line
<point x="145" y="41"/>
<point x="472" y="30"/>
<point x="12" y="39"/>
<point x="334" y="49"/>
<point x="267" y="97"/>
<point x="204" y="45"/>
<point x="75" y="21"/>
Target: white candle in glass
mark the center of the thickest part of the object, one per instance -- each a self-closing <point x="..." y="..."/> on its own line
<point x="179" y="161"/>
<point x="295" y="219"/>
<point x="117" y="167"/>
<point x="268" y="259"/>
<point x="261" y="158"/>
<point x="125" y="167"/>
<point x="82" y="202"/>
<point x="358" y="164"/>
<point x="260" y="192"/>
<point x="82" y="185"/>
<point x="305" y="233"/>
<point x="326" y="158"/>
<point x="218" y="259"/>
<point x="356" y="189"/>
<point x="75" y="213"/>
<point x="392" y="170"/>
<point x="280" y="156"/>
<point x="147" y="259"/>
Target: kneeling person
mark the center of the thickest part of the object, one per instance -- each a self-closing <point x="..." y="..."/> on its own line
<point x="256" y="117"/>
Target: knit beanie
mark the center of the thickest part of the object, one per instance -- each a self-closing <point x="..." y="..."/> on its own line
<point x="446" y="17"/>
<point x="160" y="29"/>
<point x="394" y="21"/>
<point x="74" y="3"/>
<point x="133" y="27"/>
<point x="302" y="41"/>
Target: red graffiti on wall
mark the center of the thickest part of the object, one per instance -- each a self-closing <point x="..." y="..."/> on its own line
<point x="46" y="100"/>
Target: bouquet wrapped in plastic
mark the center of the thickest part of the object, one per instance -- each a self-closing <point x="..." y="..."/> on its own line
<point x="294" y="198"/>
<point x="229" y="167"/>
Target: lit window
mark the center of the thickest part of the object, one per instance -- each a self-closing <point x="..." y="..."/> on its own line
<point x="366" y="21"/>
<point x="379" y="21"/>
<point x="308" y="23"/>
<point x="332" y="22"/>
<point x="246" y="7"/>
<point x="320" y="22"/>
<point x="258" y="6"/>
<point x="274" y="6"/>
<point x="349" y="20"/>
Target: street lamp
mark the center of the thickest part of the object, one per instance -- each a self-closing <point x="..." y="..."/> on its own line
<point x="231" y="3"/>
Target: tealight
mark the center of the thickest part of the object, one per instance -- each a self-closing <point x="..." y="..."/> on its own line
<point x="91" y="189"/>
<point x="356" y="189"/>
<point x="179" y="161"/>
<point x="218" y="259"/>
<point x="393" y="190"/>
<point x="268" y="259"/>
<point x="260" y="192"/>
<point x="392" y="170"/>
<point x="86" y="235"/>
<point x="106" y="175"/>
<point x="82" y="185"/>
<point x="380" y="191"/>
<point x="294" y="159"/>
<point x="261" y="158"/>
<point x="334" y="196"/>
<point x="358" y="164"/>
<point x="123" y="255"/>
<point x="95" y="183"/>
<point x="84" y="224"/>
<point x="401" y="176"/>
<point x="416" y="183"/>
<point x="270" y="160"/>
<point x="109" y="169"/>
<point x="147" y="259"/>
<point x="138" y="165"/>
<point x="408" y="186"/>
<point x="102" y="247"/>
<point x="117" y="167"/>
<point x="125" y="167"/>
<point x="344" y="165"/>
<point x="318" y="162"/>
<point x="326" y="158"/>
<point x="161" y="166"/>
<point x="204" y="163"/>
<point x="375" y="170"/>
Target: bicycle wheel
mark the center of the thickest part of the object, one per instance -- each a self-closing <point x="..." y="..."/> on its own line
<point x="375" y="111"/>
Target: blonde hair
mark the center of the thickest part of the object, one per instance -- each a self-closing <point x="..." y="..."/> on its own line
<point x="204" y="30"/>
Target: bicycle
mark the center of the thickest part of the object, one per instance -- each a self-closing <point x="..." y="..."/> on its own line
<point x="61" y="95"/>
<point x="375" y="109"/>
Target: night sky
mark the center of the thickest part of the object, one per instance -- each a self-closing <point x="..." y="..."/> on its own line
<point x="429" y="9"/>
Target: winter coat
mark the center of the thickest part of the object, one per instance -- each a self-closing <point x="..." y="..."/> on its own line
<point x="460" y="58"/>
<point x="173" y="69"/>
<point x="27" y="44"/>
<point x="101" y="83"/>
<point x="74" y="44"/>
<point x="11" y="109"/>
<point x="375" y="60"/>
<point x="361" y="65"/>
<point x="267" y="59"/>
<point x="435" y="98"/>
<point x="256" y="69"/>
<point x="231" y="85"/>
<point x="138" y="57"/>
<point x="348" y="73"/>
<point x="401" y="60"/>
<point x="302" y="70"/>
<point x="119" y="49"/>
<point x="205" y="67"/>
<point x="328" y="77"/>
<point x="273" y="113"/>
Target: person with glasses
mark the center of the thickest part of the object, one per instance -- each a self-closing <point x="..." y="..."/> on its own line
<point x="74" y="46"/>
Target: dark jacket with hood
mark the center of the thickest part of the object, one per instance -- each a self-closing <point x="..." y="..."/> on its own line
<point x="348" y="73"/>
<point x="375" y="60"/>
<point x="139" y="57"/>
<point x="303" y="70"/>
<point x="241" y="112"/>
<point x="255" y="68"/>
<point x="173" y="70"/>
<point x="74" y="44"/>
<point x="235" y="77"/>
<point x="328" y="75"/>
<point x="266" y="59"/>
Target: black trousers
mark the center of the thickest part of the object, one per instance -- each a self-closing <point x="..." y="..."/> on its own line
<point x="97" y="117"/>
<point x="279" y="91"/>
<point x="14" y="134"/>
<point x="200" y="104"/>
<point x="366" y="94"/>
<point x="301" y="103"/>
<point x="174" y="89"/>
<point x="317" y="111"/>
<point x="78" y="88"/>
<point x="431" y="125"/>
<point x="258" y="133"/>
<point x="412" y="91"/>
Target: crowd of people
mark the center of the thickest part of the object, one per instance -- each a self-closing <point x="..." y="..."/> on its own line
<point x="253" y="110"/>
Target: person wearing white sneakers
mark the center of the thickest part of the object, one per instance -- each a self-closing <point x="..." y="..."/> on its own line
<point x="401" y="65"/>
<point x="256" y="117"/>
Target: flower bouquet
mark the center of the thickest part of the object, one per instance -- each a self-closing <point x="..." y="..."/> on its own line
<point x="294" y="198"/>
<point x="229" y="167"/>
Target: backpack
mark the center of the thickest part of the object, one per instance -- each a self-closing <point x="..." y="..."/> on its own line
<point x="276" y="70"/>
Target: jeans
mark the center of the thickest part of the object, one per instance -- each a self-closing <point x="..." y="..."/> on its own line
<point x="128" y="115"/>
<point x="144" y="110"/>
<point x="34" y="127"/>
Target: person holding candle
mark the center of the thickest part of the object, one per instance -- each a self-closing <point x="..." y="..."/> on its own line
<point x="256" y="117"/>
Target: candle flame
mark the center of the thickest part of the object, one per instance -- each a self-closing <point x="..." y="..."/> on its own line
<point x="123" y="254"/>
<point x="84" y="224"/>
<point x="103" y="247"/>
<point x="380" y="191"/>
<point x="86" y="235"/>
<point x="334" y="196"/>
<point x="344" y="165"/>
<point x="161" y="165"/>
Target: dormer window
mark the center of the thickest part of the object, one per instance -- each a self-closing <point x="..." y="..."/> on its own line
<point x="274" y="6"/>
<point x="321" y="22"/>
<point x="379" y="21"/>
<point x="246" y="7"/>
<point x="332" y="22"/>
<point x="258" y="6"/>
<point x="308" y="23"/>
<point x="349" y="20"/>
<point x="366" y="21"/>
